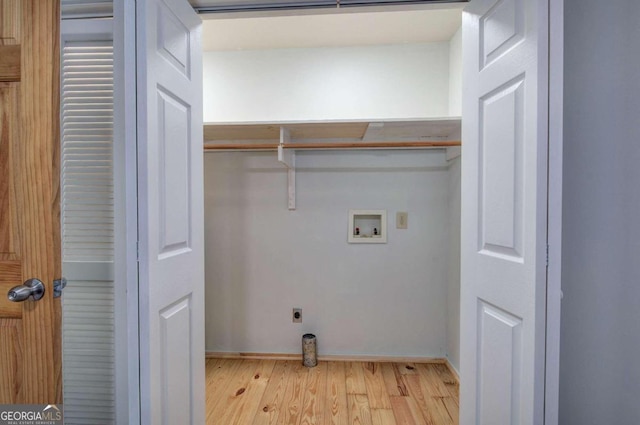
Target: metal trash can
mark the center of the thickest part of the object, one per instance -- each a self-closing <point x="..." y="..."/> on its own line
<point x="309" y="350"/>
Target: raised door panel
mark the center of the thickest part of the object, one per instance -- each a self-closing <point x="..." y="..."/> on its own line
<point x="501" y="28"/>
<point x="500" y="171"/>
<point x="11" y="276"/>
<point x="174" y="139"/>
<point x="10" y="18"/>
<point x="174" y="41"/>
<point x="9" y="237"/>
<point x="11" y="361"/>
<point x="176" y="323"/>
<point x="10" y="257"/>
<point x="499" y="366"/>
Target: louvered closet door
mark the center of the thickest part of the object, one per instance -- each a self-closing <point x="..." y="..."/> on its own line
<point x="87" y="232"/>
<point x="86" y="8"/>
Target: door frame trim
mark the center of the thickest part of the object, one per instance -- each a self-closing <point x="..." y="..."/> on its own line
<point x="126" y="239"/>
<point x="126" y="213"/>
<point x="554" y="211"/>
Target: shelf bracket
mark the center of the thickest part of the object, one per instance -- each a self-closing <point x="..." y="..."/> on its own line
<point x="453" y="152"/>
<point x="288" y="158"/>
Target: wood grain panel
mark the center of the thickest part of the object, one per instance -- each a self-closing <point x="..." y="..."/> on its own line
<point x="9" y="235"/>
<point x="10" y="22"/>
<point x="10" y="276"/>
<point x="10" y="361"/>
<point x="10" y="63"/>
<point x="38" y="195"/>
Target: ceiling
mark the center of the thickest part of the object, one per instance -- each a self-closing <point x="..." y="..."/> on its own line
<point x="331" y="30"/>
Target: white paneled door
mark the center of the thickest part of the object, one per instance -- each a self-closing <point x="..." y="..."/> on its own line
<point x="170" y="205"/>
<point x="504" y="211"/>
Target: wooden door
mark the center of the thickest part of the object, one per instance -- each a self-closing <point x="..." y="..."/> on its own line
<point x="30" y="355"/>
<point x="170" y="212"/>
<point x="504" y="211"/>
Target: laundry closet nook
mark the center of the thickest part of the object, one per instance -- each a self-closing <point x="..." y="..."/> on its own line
<point x="313" y="120"/>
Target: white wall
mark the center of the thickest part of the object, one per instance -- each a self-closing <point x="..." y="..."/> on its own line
<point x="453" y="288"/>
<point x="453" y="258"/>
<point x="600" y="346"/>
<point x="263" y="260"/>
<point x="455" y="74"/>
<point x="371" y="82"/>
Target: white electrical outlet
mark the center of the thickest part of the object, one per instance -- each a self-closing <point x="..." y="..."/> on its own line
<point x="402" y="220"/>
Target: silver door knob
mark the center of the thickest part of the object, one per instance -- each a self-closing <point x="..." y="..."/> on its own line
<point x="31" y="288"/>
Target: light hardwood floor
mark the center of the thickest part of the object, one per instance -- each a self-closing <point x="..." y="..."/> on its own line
<point x="284" y="392"/>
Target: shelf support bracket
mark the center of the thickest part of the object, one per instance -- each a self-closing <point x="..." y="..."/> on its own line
<point x="288" y="158"/>
<point x="453" y="152"/>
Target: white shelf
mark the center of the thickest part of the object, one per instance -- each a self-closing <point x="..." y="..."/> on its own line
<point x="264" y="136"/>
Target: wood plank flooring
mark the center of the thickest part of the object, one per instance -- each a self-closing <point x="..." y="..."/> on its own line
<point x="284" y="392"/>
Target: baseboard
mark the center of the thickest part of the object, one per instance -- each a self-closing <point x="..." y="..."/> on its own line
<point x="332" y="358"/>
<point x="252" y="356"/>
<point x="453" y="371"/>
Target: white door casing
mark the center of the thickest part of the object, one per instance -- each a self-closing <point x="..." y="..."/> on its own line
<point x="171" y="217"/>
<point x="504" y="211"/>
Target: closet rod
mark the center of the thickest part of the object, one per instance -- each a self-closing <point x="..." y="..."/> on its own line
<point x="334" y="145"/>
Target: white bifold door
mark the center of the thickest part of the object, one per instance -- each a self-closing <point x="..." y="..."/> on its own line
<point x="504" y="211"/>
<point x="170" y="208"/>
